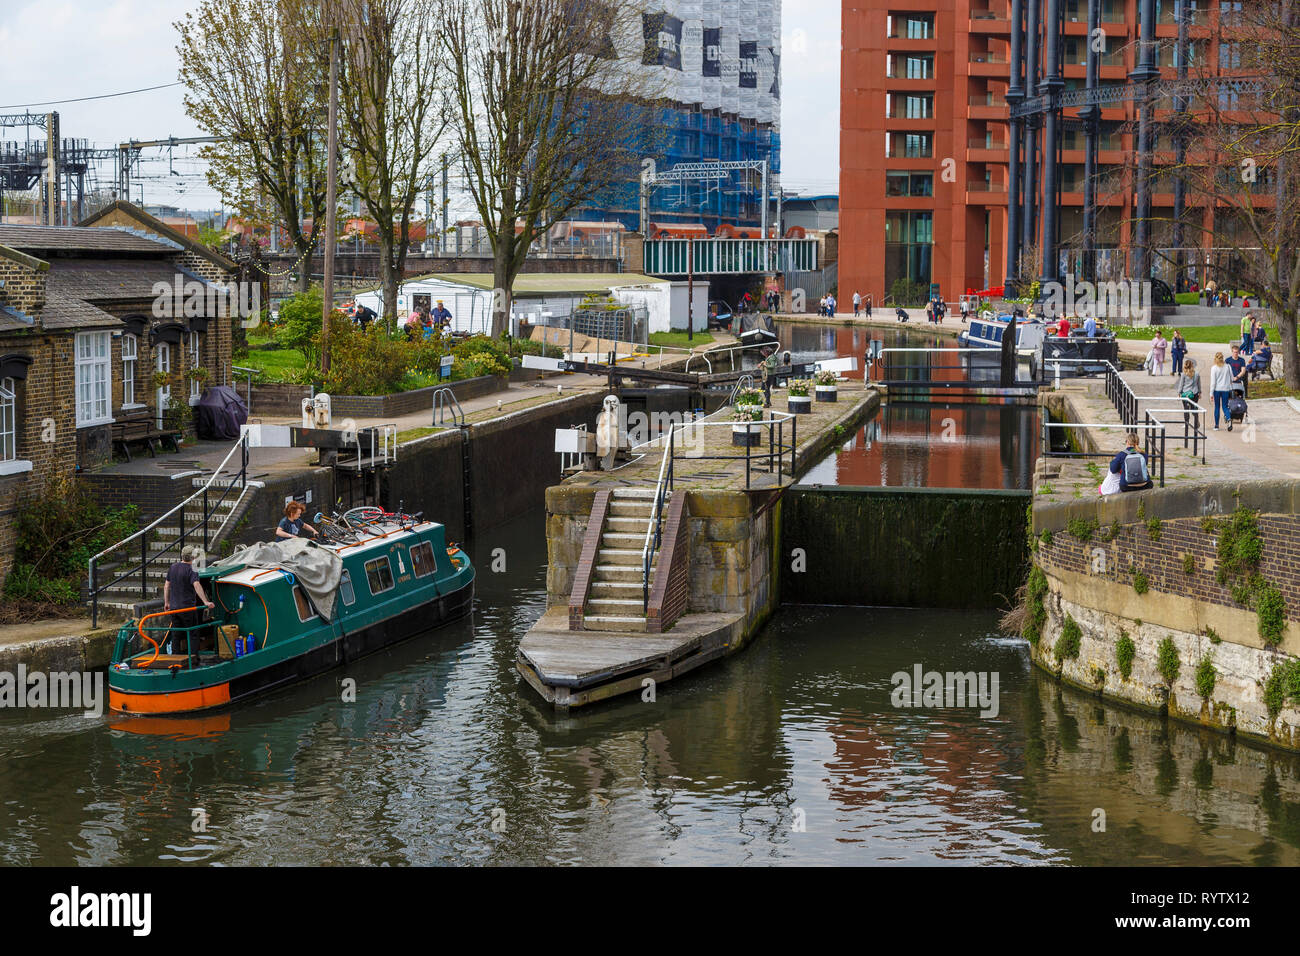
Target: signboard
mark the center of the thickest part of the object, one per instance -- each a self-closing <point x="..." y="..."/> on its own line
<point x="444" y="369"/>
<point x="663" y="40"/>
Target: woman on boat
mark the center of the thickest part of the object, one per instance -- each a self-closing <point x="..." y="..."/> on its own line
<point x="292" y="524"/>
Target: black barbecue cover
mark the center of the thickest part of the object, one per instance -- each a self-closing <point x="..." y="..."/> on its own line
<point x="220" y="413"/>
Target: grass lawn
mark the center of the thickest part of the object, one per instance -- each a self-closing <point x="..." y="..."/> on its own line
<point x="1275" y="388"/>
<point x="679" y="340"/>
<point x="1218" y="334"/>
<point x="273" y="363"/>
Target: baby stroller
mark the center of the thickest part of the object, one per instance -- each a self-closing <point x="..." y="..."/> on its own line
<point x="1236" y="404"/>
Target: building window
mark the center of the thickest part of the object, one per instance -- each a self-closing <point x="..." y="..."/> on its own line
<point x="92" y="378"/>
<point x="162" y="358"/>
<point x="195" y="351"/>
<point x="130" y="355"/>
<point x="8" y="431"/>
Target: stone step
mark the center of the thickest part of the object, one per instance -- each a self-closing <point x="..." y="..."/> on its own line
<point x="634" y="493"/>
<point x="632" y="509"/>
<point x="622" y="573"/>
<point x="629" y="525"/>
<point x="623" y="539"/>
<point x="609" y="622"/>
<point x="615" y="590"/>
<point x="621" y="556"/>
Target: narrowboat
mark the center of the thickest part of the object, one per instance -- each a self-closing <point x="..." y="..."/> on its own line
<point x="288" y="610"/>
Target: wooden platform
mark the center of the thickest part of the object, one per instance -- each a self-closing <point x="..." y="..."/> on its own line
<point x="573" y="668"/>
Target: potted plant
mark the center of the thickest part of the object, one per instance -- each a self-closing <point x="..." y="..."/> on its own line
<point x="799" y="401"/>
<point x="827" y="386"/>
<point x="197" y="374"/>
<point x="747" y="410"/>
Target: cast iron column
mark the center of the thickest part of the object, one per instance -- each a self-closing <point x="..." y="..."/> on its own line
<point x="1029" y="210"/>
<point x="1180" y="105"/>
<point x="1091" y="116"/>
<point x="1146" y="73"/>
<point x="1051" y="88"/>
<point x="1015" y="93"/>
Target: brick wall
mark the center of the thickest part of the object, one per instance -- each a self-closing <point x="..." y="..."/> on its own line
<point x="24" y="281"/>
<point x="1161" y="560"/>
<point x="671" y="586"/>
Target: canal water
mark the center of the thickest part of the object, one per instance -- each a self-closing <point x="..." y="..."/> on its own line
<point x="795" y="750"/>
<point x="943" y="443"/>
<point x="789" y="752"/>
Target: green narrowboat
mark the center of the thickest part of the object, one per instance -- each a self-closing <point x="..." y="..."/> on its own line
<point x="290" y="610"/>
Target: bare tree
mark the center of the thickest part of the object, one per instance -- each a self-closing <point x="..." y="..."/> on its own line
<point x="1243" y="167"/>
<point x="391" y="111"/>
<point x="248" y="80"/>
<point x="548" y="114"/>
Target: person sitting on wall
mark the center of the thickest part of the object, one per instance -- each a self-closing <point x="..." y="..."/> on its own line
<point x="1128" y="469"/>
<point x="292" y="525"/>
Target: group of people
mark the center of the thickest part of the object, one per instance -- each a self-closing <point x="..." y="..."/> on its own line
<point x="935" y="310"/>
<point x="827" y="306"/>
<point x="859" y="304"/>
<point x="1222" y="298"/>
<point x="423" y="320"/>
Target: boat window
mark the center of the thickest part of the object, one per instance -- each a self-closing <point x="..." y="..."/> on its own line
<point x="997" y="334"/>
<point x="345" y="588"/>
<point x="305" y="611"/>
<point x="422" y="559"/>
<point x="380" y="575"/>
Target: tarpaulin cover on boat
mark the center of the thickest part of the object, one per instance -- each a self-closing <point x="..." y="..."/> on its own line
<point x="758" y="322"/>
<point x="220" y="413"/>
<point x="317" y="569"/>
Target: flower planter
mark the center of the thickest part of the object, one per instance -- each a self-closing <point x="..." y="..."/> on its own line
<point x="827" y="393"/>
<point x="798" y="404"/>
<point x="746" y="435"/>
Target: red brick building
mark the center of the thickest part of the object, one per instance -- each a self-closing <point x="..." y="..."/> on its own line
<point x="924" y="134"/>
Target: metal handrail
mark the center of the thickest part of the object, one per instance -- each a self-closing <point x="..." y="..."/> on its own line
<point x="1153" y="431"/>
<point x="653" y="528"/>
<point x="145" y="560"/>
<point x="745" y="381"/>
<point x="444" y="399"/>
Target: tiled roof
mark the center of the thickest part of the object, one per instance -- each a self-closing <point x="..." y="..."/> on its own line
<point x="81" y="239"/>
<point x="64" y="311"/>
<point x="11" y="320"/>
<point x="104" y="280"/>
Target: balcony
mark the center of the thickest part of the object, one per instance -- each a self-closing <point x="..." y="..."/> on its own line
<point x="987" y="144"/>
<point x="913" y="152"/>
<point x="996" y="100"/>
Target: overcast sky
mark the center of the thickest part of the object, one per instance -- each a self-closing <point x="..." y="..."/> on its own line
<point x="65" y="49"/>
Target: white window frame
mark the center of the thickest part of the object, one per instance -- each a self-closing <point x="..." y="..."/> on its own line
<point x="94" y="371"/>
<point x="130" y="367"/>
<point x="193" y="352"/>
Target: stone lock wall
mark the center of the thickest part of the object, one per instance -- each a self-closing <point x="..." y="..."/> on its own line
<point x="1090" y="566"/>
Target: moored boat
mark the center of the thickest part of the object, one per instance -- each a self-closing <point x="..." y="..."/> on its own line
<point x="289" y="610"/>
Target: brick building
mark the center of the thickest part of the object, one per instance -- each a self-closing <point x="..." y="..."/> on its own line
<point x="82" y="331"/>
<point x="924" y="133"/>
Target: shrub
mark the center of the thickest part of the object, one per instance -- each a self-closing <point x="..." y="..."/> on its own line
<point x="909" y="294"/>
<point x="1271" y="608"/>
<point x="1283" y="685"/>
<point x="1125" y="651"/>
<point x="1140" y="583"/>
<point x="298" y="326"/>
<point x="57" y="533"/>
<point x="1083" y="530"/>
<point x="1240" y="545"/>
<point x="1153" y="528"/>
<point x="1046" y="537"/>
<point x="1067" y="645"/>
<point x="1189" y="563"/>
<point x="1036" y="608"/>
<point x="369" y="362"/>
<point x="1206" y="676"/>
<point x="1213" y="636"/>
<point x="1111" y="533"/>
<point x="1167" y="660"/>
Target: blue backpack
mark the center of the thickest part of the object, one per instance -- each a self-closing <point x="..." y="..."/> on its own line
<point x="1135" y="469"/>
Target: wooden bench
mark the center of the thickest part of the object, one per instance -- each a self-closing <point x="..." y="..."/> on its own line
<point x="141" y="426"/>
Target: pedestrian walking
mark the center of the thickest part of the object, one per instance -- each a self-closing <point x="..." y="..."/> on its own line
<point x="1158" y="346"/>
<point x="1220" y="388"/>
<point x="867" y="305"/>
<point x="1177" y="349"/>
<point x="857" y="304"/>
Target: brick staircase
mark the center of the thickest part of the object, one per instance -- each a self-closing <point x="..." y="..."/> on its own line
<point x="615" y="599"/>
